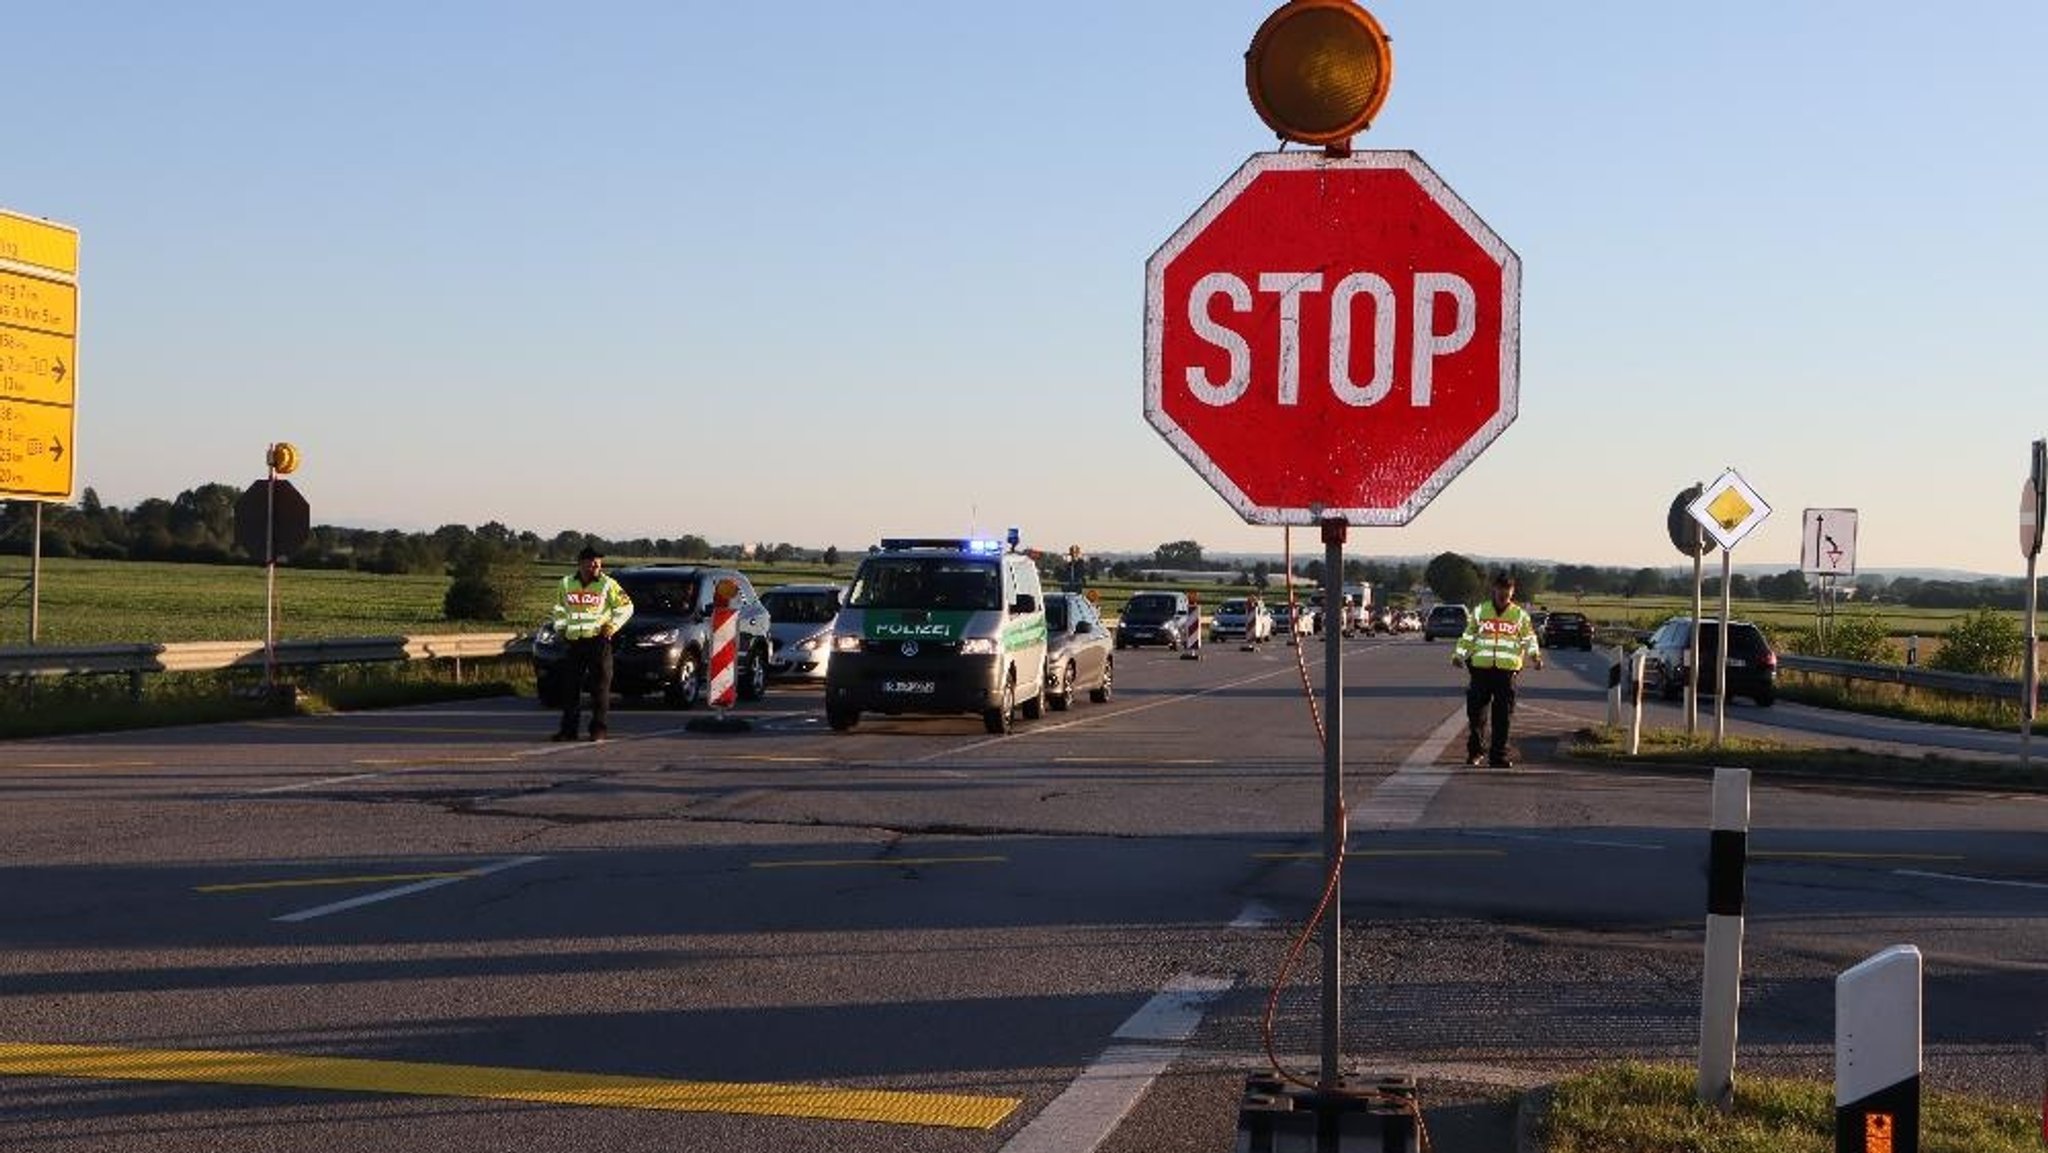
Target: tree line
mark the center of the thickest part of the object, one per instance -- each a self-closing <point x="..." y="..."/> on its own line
<point x="198" y="526"/>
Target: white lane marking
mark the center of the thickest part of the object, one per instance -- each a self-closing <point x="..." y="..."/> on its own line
<point x="1401" y="798"/>
<point x="1598" y="844"/>
<point x="323" y="781"/>
<point x="405" y="890"/>
<point x="1971" y="880"/>
<point x="1083" y="1116"/>
<point x="1173" y="1013"/>
<point x="1256" y="915"/>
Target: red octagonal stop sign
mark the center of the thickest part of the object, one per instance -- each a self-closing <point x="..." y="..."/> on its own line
<point x="1332" y="338"/>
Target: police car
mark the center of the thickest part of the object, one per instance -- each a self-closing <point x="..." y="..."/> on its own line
<point x="940" y="625"/>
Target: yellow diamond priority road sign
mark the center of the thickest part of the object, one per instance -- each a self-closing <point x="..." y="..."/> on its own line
<point x="38" y="357"/>
<point x="1728" y="509"/>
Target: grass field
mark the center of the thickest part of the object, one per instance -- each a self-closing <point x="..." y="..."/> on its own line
<point x="103" y="602"/>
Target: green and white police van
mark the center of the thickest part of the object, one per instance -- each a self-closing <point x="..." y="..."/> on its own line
<point x="940" y="626"/>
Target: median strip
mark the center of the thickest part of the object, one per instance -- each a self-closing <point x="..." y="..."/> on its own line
<point x="540" y="1086"/>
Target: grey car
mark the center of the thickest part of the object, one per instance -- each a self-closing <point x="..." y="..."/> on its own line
<point x="1446" y="622"/>
<point x="800" y="618"/>
<point x="1078" y="651"/>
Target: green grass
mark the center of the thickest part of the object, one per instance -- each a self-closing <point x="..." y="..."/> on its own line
<point x="1638" y="1108"/>
<point x="105" y="704"/>
<point x="87" y="602"/>
<point x="1674" y="749"/>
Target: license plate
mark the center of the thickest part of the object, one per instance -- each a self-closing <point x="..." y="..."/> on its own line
<point x="1736" y="662"/>
<point x="910" y="686"/>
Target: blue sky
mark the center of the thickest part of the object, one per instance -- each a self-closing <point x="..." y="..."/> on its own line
<point x="823" y="272"/>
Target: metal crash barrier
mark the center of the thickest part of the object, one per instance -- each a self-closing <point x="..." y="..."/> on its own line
<point x="137" y="661"/>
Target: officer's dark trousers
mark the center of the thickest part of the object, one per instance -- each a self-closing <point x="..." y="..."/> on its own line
<point x="589" y="660"/>
<point x="1491" y="690"/>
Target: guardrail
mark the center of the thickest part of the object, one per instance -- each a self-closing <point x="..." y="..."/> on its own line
<point x="1912" y="676"/>
<point x="139" y="660"/>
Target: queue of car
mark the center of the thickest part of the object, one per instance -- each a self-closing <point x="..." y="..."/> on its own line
<point x="897" y="640"/>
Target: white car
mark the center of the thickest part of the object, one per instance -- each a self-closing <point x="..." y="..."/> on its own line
<point x="800" y="629"/>
<point x="1298" y="620"/>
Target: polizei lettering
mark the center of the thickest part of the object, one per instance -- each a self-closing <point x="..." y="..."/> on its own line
<point x="889" y="630"/>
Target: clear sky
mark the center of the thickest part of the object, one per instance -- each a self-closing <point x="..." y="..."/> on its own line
<point x="820" y="272"/>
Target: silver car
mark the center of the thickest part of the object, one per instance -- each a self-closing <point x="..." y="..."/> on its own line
<point x="800" y="629"/>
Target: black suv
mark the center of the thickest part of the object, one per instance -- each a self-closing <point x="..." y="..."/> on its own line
<point x="1156" y="618"/>
<point x="1566" y="630"/>
<point x="1752" y="665"/>
<point x="666" y="645"/>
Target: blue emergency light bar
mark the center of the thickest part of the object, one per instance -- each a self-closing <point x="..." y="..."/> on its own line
<point x="947" y="543"/>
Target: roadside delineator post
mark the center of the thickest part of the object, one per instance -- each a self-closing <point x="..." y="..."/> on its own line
<point x="724" y="683"/>
<point x="1877" y="1054"/>
<point x="1721" y="992"/>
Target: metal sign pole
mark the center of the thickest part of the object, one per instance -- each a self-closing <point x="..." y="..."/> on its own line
<point x="1721" y="658"/>
<point x="35" y="577"/>
<point x="1692" y="682"/>
<point x="1334" y="532"/>
<point x="270" y="581"/>
<point x="2030" y="687"/>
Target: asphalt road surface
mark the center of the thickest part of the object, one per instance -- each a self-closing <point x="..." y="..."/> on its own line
<point x="432" y="929"/>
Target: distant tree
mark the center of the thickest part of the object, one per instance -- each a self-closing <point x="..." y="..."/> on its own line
<point x="830" y="556"/>
<point x="1453" y="578"/>
<point x="1178" y="554"/>
<point x="1644" y="582"/>
<point x="488" y="581"/>
<point x="1789" y="585"/>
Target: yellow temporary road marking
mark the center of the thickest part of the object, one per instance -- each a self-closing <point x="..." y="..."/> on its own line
<point x="1352" y="853"/>
<point x="1136" y="761"/>
<point x="424" y="761"/>
<point x="508" y="733"/>
<point x="1817" y="855"/>
<point x="597" y="1090"/>
<point x="246" y="886"/>
<point x="87" y="765"/>
<point x="876" y="862"/>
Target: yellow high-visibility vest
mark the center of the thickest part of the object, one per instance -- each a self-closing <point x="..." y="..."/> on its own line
<point x="584" y="609"/>
<point x="1498" y="640"/>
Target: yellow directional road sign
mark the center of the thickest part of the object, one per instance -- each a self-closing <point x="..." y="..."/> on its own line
<point x="26" y="240"/>
<point x="35" y="450"/>
<point x="38" y="357"/>
<point x="36" y="367"/>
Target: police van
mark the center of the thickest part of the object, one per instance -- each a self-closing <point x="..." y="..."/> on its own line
<point x="939" y="626"/>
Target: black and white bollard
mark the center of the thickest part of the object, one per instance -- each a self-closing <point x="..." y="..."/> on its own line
<point x="1877" y="1054"/>
<point x="1721" y="991"/>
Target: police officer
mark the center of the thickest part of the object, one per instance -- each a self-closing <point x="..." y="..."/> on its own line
<point x="1499" y="636"/>
<point x="589" y="610"/>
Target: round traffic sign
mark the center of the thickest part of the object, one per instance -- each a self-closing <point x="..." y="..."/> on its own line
<point x="1687" y="535"/>
<point x="1332" y="338"/>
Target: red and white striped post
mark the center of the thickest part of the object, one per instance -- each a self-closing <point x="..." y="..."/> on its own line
<point x="724" y="645"/>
